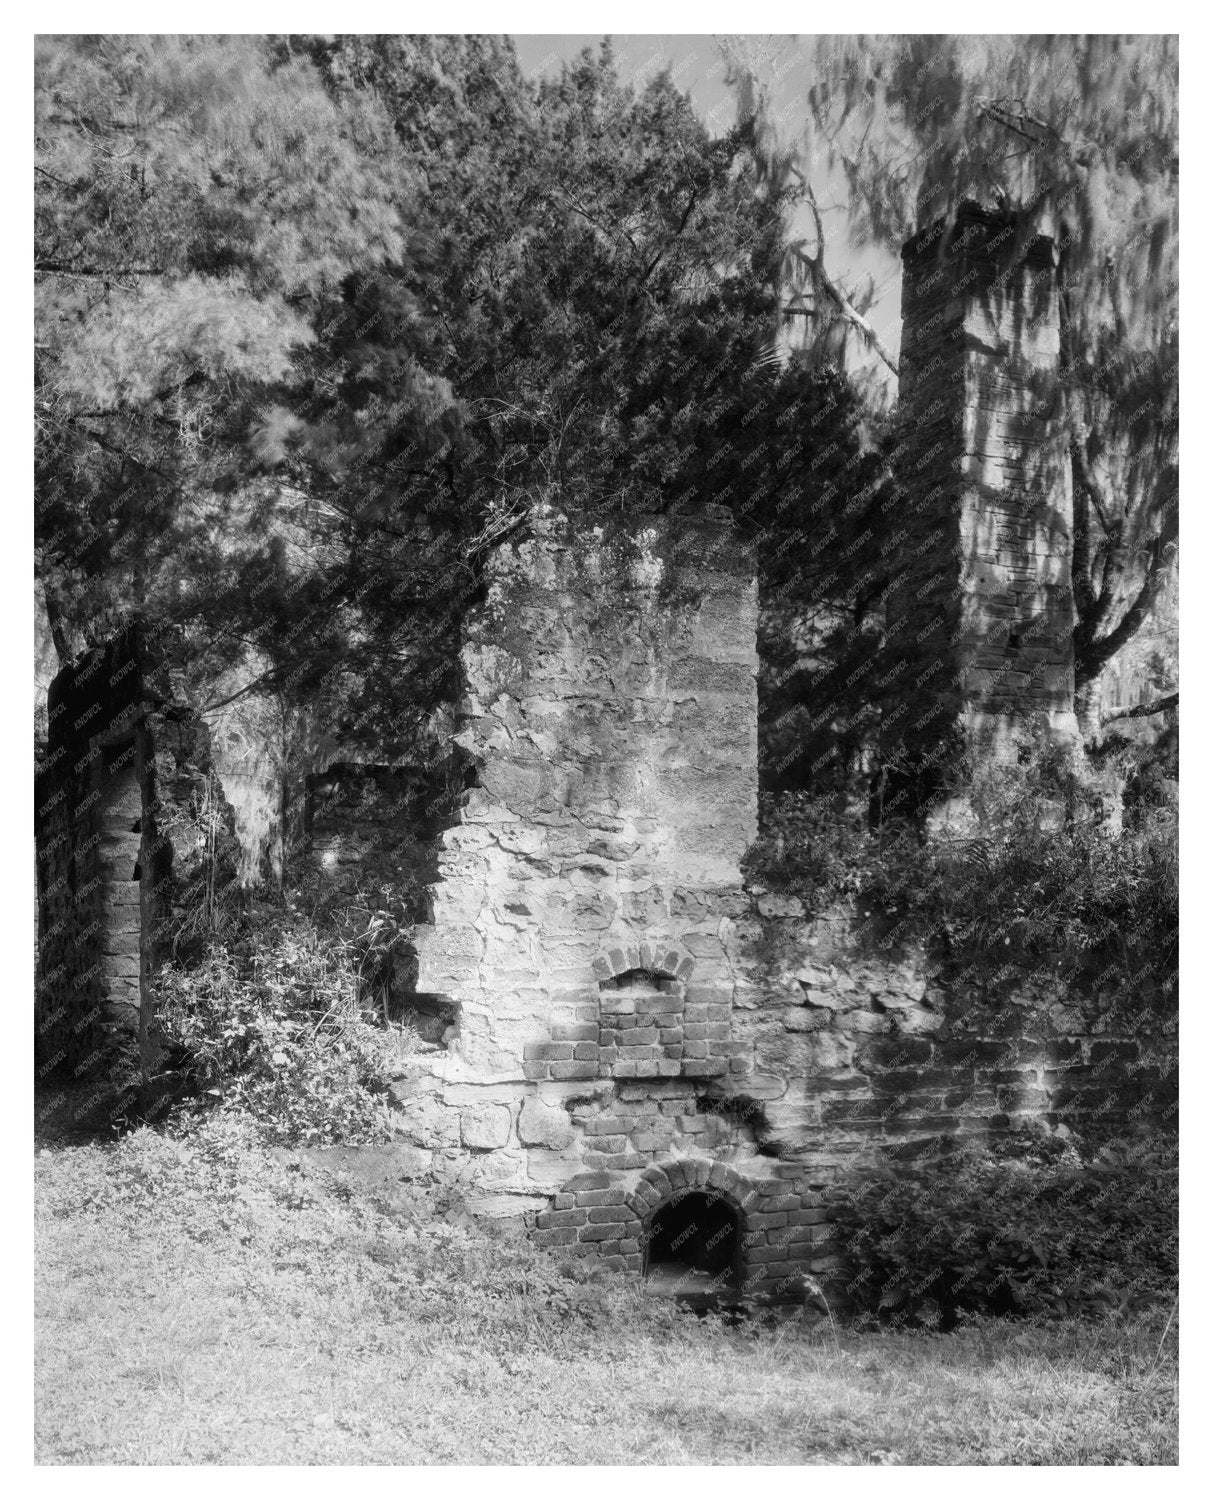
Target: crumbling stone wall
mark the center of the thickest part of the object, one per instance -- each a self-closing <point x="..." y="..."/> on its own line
<point x="611" y="714"/>
<point x="585" y="914"/>
<point x="70" y="1008"/>
<point x="981" y="614"/>
<point x="864" y="1045"/>
<point x="631" y="1025"/>
<point x="87" y="804"/>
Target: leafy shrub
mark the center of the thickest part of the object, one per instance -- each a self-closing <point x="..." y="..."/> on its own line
<point x="809" y="845"/>
<point x="1038" y="872"/>
<point x="367" y="919"/>
<point x="1027" y="1227"/>
<point x="274" y="1029"/>
<point x="1145" y="770"/>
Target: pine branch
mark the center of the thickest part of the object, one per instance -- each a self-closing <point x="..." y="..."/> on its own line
<point x="656" y="261"/>
<point x="817" y="265"/>
<point x="122" y="453"/>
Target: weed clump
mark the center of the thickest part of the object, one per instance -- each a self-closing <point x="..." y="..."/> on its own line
<point x="1030" y="1226"/>
<point x="280" y="1028"/>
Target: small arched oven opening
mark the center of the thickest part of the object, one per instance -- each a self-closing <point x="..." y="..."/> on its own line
<point x="693" y="1246"/>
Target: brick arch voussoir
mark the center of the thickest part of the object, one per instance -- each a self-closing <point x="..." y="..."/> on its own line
<point x="667" y="959"/>
<point x="670" y="1179"/>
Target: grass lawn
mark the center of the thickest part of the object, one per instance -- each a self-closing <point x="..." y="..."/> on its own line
<point x="203" y="1303"/>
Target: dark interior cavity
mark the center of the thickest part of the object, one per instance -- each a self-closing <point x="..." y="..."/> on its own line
<point x="694" y="1244"/>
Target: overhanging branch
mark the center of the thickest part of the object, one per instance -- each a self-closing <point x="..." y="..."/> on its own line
<point x="1144" y="710"/>
<point x="822" y="278"/>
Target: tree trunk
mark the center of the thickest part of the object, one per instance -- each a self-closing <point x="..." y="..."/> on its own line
<point x="54" y="619"/>
<point x="1086" y="709"/>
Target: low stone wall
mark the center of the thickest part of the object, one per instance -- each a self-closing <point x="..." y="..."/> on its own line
<point x="860" y="1048"/>
<point x="598" y="1162"/>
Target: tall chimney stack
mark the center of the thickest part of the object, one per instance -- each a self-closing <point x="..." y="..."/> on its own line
<point x="980" y="616"/>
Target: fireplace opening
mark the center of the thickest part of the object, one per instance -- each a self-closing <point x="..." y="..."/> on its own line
<point x="693" y="1247"/>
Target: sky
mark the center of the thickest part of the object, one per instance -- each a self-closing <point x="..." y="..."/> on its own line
<point x="697" y="66"/>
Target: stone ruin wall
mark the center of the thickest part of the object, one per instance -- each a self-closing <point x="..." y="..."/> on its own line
<point x="610" y="713"/>
<point x="633" y="1024"/>
<point x="585" y="918"/>
<point x="981" y="616"/>
<point x="865" y="1046"/>
<point x="88" y="906"/>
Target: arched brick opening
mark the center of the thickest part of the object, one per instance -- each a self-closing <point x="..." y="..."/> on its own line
<point x="642" y="998"/>
<point x="693" y="1226"/>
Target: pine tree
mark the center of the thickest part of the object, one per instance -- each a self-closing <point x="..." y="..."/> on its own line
<point x="198" y="202"/>
<point x="369" y="298"/>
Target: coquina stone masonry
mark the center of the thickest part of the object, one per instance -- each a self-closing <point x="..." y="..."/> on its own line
<point x="585" y="918"/>
<point x="981" y="614"/>
<point x="633" y="1028"/>
<point x="866" y="1047"/>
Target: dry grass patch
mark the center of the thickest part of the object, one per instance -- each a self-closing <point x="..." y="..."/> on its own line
<point x="200" y="1303"/>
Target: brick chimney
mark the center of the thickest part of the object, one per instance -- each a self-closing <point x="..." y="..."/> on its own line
<point x="980" y="615"/>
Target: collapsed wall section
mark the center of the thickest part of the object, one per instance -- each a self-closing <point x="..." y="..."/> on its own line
<point x="660" y="1068"/>
<point x="583" y="930"/>
<point x="611" y="715"/>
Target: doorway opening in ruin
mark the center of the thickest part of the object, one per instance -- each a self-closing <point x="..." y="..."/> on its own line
<point x="693" y="1247"/>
